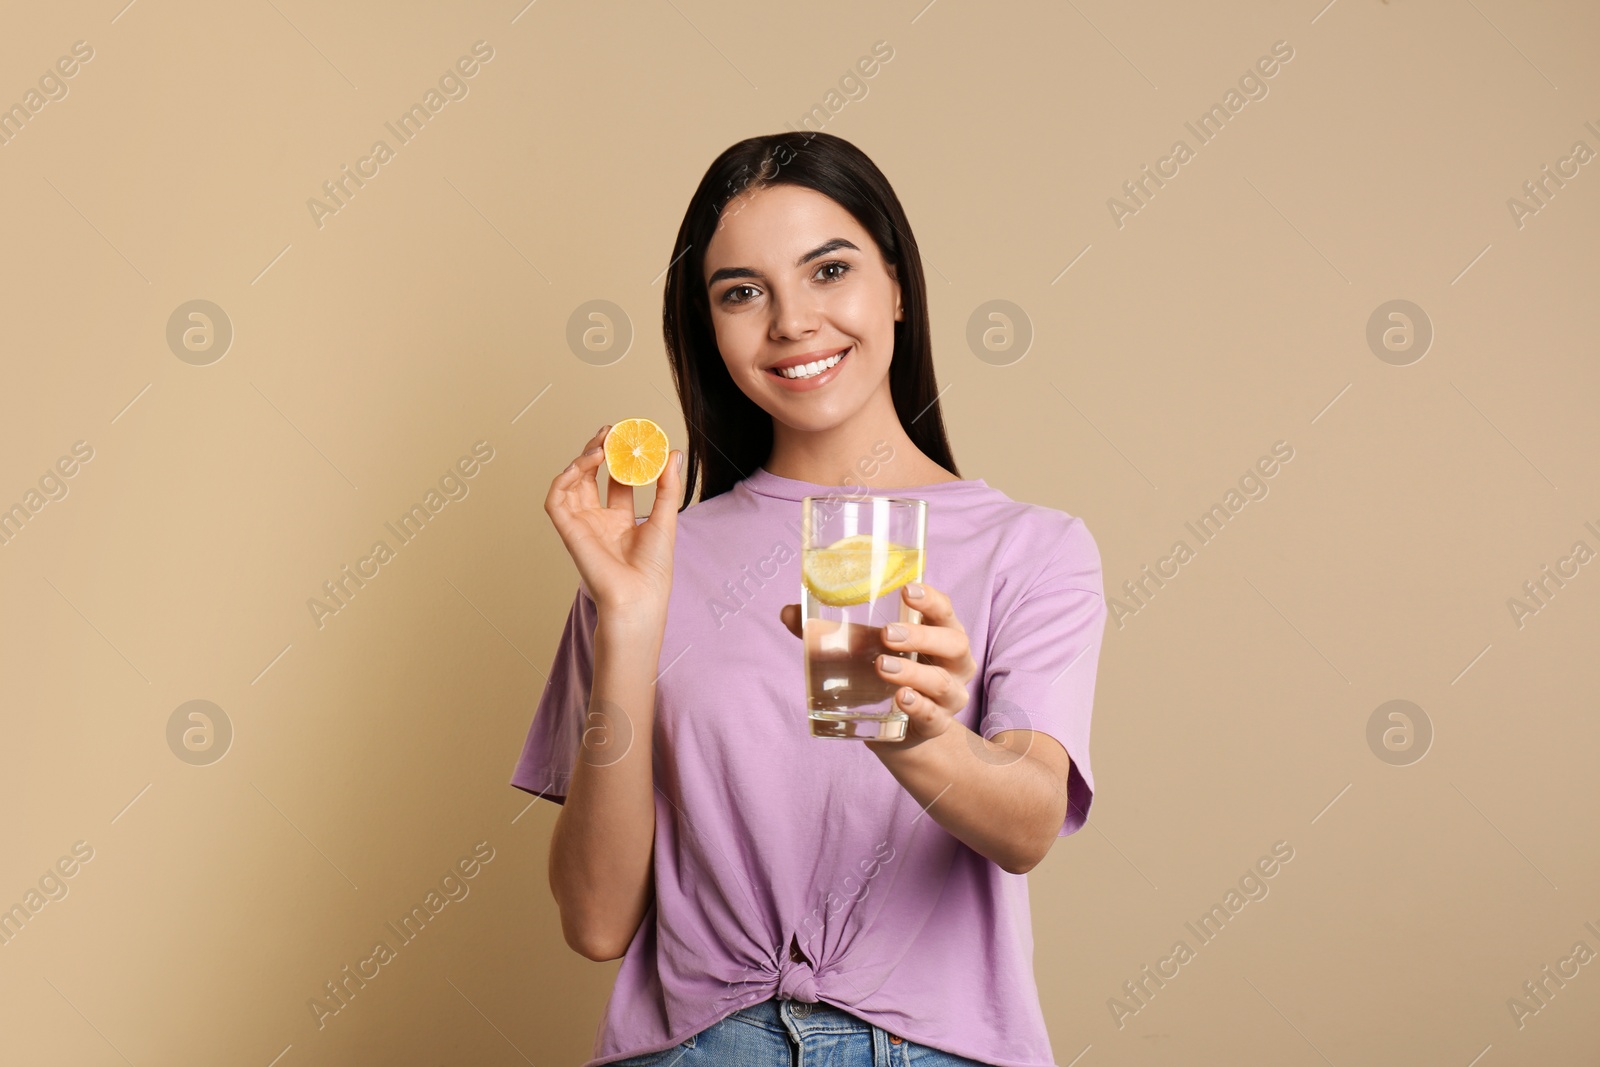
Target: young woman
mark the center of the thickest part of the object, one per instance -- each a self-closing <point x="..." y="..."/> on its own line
<point x="774" y="895"/>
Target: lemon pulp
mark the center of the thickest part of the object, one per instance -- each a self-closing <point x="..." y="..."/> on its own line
<point x="636" y="451"/>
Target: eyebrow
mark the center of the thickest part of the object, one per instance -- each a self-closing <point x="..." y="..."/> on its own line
<point x="750" y="272"/>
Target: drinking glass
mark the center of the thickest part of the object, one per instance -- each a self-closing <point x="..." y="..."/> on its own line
<point x="855" y="554"/>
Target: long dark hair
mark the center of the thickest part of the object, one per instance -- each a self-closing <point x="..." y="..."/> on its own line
<point x="729" y="434"/>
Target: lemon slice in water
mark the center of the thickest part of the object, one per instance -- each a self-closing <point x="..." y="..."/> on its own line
<point x="846" y="572"/>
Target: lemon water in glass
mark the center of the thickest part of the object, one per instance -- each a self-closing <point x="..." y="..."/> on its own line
<point x="856" y="552"/>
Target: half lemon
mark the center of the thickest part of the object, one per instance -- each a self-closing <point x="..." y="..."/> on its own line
<point x="636" y="451"/>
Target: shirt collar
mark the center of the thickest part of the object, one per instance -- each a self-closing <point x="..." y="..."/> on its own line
<point x="764" y="483"/>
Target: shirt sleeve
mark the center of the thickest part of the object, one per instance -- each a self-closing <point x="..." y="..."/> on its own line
<point x="1042" y="660"/>
<point x="545" y="767"/>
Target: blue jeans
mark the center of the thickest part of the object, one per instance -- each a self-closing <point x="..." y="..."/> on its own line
<point x="793" y="1033"/>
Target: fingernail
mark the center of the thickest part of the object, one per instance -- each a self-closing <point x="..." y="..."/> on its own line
<point x="907" y="696"/>
<point x="680" y="462"/>
<point x="914" y="590"/>
<point x="593" y="450"/>
<point x="895" y="632"/>
<point x="602" y="429"/>
<point x="891" y="664"/>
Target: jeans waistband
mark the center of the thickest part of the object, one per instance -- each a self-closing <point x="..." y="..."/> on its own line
<point x="804" y="1017"/>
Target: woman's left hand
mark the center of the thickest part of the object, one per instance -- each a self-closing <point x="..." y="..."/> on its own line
<point x="932" y="689"/>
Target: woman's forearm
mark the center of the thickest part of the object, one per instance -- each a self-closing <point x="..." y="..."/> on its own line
<point x="600" y="850"/>
<point x="1000" y="802"/>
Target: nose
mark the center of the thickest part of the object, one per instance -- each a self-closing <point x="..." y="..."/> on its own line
<point x="793" y="317"/>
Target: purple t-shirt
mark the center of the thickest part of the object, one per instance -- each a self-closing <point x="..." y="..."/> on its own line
<point x="765" y="833"/>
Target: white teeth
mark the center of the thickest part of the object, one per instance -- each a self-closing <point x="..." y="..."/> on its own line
<point x="809" y="370"/>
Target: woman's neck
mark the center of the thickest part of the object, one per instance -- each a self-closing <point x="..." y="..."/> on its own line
<point x="872" y="452"/>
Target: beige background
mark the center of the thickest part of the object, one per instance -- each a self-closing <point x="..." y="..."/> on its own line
<point x="369" y="354"/>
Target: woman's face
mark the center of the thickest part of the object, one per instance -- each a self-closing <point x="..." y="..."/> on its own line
<point x="790" y="273"/>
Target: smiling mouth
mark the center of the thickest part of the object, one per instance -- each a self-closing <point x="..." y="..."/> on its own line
<point x="811" y="370"/>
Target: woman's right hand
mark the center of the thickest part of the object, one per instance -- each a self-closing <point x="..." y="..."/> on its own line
<point x="626" y="565"/>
